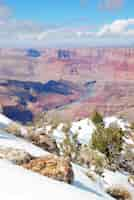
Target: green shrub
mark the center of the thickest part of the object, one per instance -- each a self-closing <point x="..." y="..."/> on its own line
<point x="132" y="126"/>
<point x="97" y="118"/>
<point x="108" y="141"/>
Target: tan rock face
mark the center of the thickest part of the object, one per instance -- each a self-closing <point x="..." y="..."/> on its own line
<point x="44" y="141"/>
<point x="16" y="156"/>
<point x="52" y="166"/>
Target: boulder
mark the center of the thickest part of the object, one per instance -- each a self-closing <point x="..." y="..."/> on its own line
<point x="16" y="156"/>
<point x="52" y="166"/>
<point x="44" y="141"/>
<point x="126" y="161"/>
<point x="119" y="193"/>
<point x="131" y="180"/>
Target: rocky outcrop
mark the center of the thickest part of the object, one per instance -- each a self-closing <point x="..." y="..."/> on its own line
<point x="38" y="138"/>
<point x="16" y="156"/>
<point x="44" y="141"/>
<point x="52" y="166"/>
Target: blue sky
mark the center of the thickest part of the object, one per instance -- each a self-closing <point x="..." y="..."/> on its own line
<point x="63" y="11"/>
<point x="66" y="21"/>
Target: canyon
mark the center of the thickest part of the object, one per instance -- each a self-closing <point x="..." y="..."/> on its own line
<point x="71" y="82"/>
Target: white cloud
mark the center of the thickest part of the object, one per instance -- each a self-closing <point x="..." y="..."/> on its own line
<point x="117" y="28"/>
<point x="27" y="31"/>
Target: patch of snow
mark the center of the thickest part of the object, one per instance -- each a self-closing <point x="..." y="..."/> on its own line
<point x="84" y="128"/>
<point x="120" y="122"/>
<point x="58" y="134"/>
<point x="85" y="183"/>
<point x="8" y="140"/>
<point x="18" y="183"/>
<point x="118" y="179"/>
<point x="4" y="120"/>
<point x="129" y="141"/>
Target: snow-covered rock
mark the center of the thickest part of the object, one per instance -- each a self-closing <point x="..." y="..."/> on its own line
<point x="113" y="119"/>
<point x="8" y="140"/>
<point x="14" y="155"/>
<point x="84" y="128"/>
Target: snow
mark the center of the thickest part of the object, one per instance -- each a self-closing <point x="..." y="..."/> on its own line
<point x="83" y="182"/>
<point x="8" y="140"/>
<point x="118" y="179"/>
<point x="81" y="186"/>
<point x="18" y="183"/>
<point x="120" y="122"/>
<point x="129" y="141"/>
<point x="86" y="127"/>
<point x="58" y="134"/>
<point x="4" y="120"/>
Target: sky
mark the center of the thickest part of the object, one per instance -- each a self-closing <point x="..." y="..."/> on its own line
<point x="66" y="23"/>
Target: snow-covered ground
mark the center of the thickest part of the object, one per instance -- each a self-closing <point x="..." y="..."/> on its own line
<point x="118" y="179"/>
<point x="81" y="181"/>
<point x="17" y="183"/>
<point x="8" y="140"/>
<point x="4" y="121"/>
<point x="20" y="184"/>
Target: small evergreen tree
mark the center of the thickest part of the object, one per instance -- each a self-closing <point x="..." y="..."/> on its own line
<point x="97" y="118"/>
<point x="108" y="141"/>
<point x="132" y="126"/>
